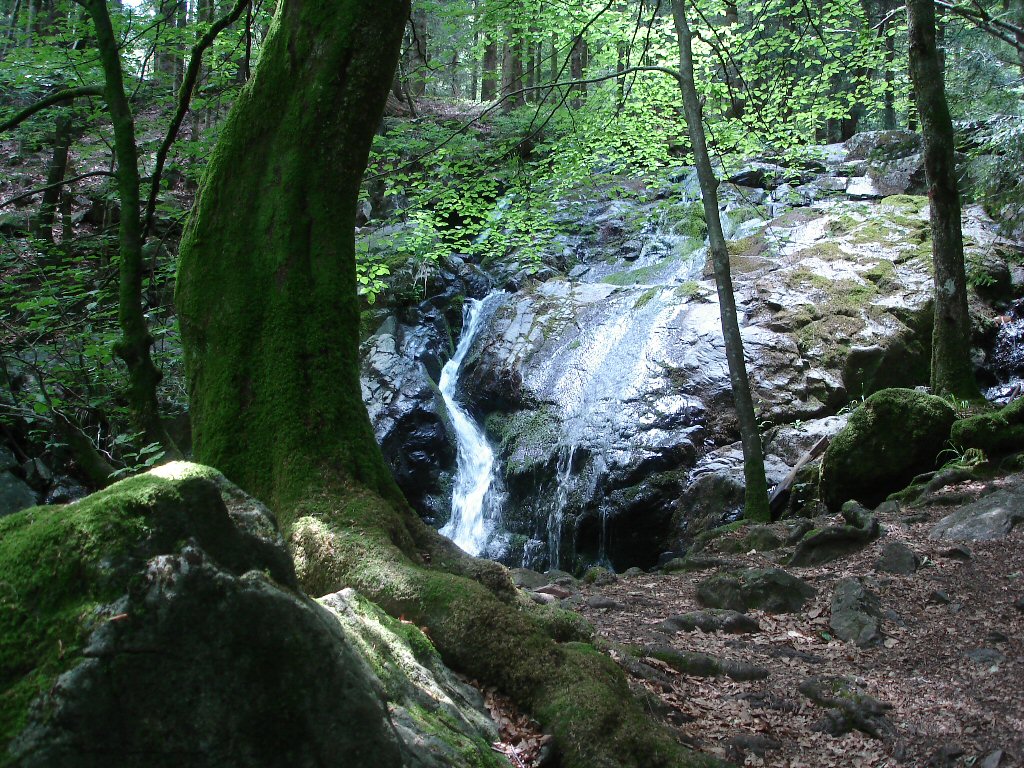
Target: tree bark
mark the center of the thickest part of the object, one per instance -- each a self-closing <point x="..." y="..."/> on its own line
<point x="134" y="345"/>
<point x="952" y="371"/>
<point x="755" y="505"/>
<point x="269" y="315"/>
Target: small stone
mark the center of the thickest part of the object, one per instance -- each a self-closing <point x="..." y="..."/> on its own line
<point x="946" y="756"/>
<point x="542" y="598"/>
<point x="633" y="572"/>
<point x="599" y="601"/>
<point x="898" y="558"/>
<point x="939" y="597"/>
<point x="992" y="759"/>
<point x="959" y="552"/>
<point x="555" y="590"/>
<point x="1019" y="603"/>
<point x="750" y="743"/>
<point x="527" y="579"/>
<point x="890" y="507"/>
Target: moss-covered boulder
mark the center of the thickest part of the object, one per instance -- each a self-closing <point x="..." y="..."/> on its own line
<point x="998" y="433"/>
<point x="160" y="621"/>
<point x="893" y="436"/>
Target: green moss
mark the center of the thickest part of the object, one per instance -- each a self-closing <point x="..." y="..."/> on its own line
<point x="57" y="566"/>
<point x="882" y="274"/>
<point x="691" y="289"/>
<point x="471" y="752"/>
<point x="687" y="219"/>
<point x="906" y="204"/>
<point x="996" y="434"/>
<point x="701" y="541"/>
<point x="748" y="247"/>
<point x="842" y="224"/>
<point x="653" y="273"/>
<point x="644" y="299"/>
<point x="825" y="250"/>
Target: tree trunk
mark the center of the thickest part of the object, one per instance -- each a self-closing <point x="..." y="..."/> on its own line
<point x="419" y="57"/>
<point x="755" y="506"/>
<point x="489" y="71"/>
<point x="54" y="175"/>
<point x="270" y="317"/>
<point x="512" y="75"/>
<point x="577" y="65"/>
<point x="952" y="371"/>
<point x="134" y="345"/>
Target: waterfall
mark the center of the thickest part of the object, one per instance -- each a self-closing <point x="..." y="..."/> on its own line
<point x="475" y="502"/>
<point x="563" y="476"/>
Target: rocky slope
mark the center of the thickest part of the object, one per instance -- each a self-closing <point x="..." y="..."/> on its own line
<point x="600" y="373"/>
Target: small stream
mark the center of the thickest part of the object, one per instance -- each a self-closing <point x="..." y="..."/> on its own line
<point x="476" y="499"/>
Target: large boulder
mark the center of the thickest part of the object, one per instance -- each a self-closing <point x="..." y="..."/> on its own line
<point x="893" y="436"/>
<point x="990" y="517"/>
<point x="160" y="622"/>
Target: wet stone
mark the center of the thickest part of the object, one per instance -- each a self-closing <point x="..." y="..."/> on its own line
<point x="605" y="603"/>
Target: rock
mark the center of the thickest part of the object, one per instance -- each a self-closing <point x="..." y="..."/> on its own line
<point x="990" y="517"/>
<point x="15" y="495"/>
<point x="898" y="558"/>
<point x="599" y="577"/>
<point x="946" y="756"/>
<point x="712" y="620"/>
<point x="64" y="490"/>
<point x="543" y="598"/>
<point x="995" y="433"/>
<point x="959" y="552"/>
<point x="527" y="579"/>
<point x="984" y="656"/>
<point x="1019" y="603"/>
<point x="772" y="590"/>
<point x="939" y="597"/>
<point x="167" y="581"/>
<point x="694" y="563"/>
<point x="7" y="459"/>
<point x="604" y="603"/>
<point x="834" y="542"/>
<point x="760" y="175"/>
<point x="633" y="572"/>
<point x="882" y="145"/>
<point x="992" y="760"/>
<point x="856" y="613"/>
<point x="849" y="708"/>
<point x="889" y="439"/>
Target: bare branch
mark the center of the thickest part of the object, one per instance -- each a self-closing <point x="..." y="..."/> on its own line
<point x="184" y="101"/>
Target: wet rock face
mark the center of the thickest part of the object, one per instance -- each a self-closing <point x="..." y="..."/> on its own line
<point x="601" y="376"/>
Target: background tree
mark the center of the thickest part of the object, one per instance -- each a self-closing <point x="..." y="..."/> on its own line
<point x="755" y="504"/>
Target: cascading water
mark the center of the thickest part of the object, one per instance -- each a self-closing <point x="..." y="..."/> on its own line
<point x="475" y="501"/>
<point x="563" y="476"/>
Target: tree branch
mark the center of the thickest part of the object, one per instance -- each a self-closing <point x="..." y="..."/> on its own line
<point x="61" y="183"/>
<point x="996" y="27"/>
<point x="67" y="94"/>
<point x="184" y="101"/>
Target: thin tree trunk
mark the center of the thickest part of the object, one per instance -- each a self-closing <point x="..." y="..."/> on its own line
<point x="489" y="77"/>
<point x="755" y="505"/>
<point x="512" y="75"/>
<point x="134" y="345"/>
<point x="577" y="62"/>
<point x="54" y="175"/>
<point x="419" y="54"/>
<point x="952" y="371"/>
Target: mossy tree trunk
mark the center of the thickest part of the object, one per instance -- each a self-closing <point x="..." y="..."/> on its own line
<point x="134" y="345"/>
<point x="952" y="371"/>
<point x="755" y="506"/>
<point x="269" y="313"/>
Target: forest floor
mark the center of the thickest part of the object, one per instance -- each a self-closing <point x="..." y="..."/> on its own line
<point x="951" y="665"/>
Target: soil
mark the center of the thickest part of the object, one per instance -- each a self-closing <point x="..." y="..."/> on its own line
<point x="946" y="709"/>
